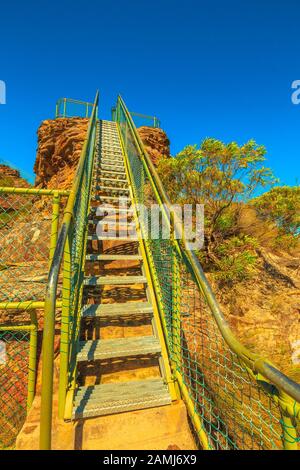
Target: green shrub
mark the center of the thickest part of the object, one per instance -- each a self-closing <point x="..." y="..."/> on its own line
<point x="237" y="259"/>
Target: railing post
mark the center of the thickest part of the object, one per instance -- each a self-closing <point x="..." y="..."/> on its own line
<point x="54" y="224"/>
<point x="56" y="109"/>
<point x="32" y="358"/>
<point x="65" y="327"/>
<point x="118" y="111"/>
<point x="47" y="371"/>
<point x="290" y="438"/>
<point x="289" y="412"/>
<point x="65" y="107"/>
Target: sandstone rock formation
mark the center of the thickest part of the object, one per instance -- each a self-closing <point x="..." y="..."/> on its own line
<point x="264" y="312"/>
<point x="59" y="146"/>
<point x="60" y="142"/>
<point x="11" y="177"/>
<point x="156" y="142"/>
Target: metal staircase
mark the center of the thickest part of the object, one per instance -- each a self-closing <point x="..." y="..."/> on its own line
<point x="123" y="254"/>
<point x="140" y="325"/>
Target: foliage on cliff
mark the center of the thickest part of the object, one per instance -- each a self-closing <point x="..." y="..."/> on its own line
<point x="10" y="177"/>
<point x="223" y="177"/>
<point x="281" y="206"/>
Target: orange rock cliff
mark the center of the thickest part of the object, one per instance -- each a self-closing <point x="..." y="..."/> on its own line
<point x="60" y="142"/>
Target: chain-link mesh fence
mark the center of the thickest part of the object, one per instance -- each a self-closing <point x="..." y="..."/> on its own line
<point x="29" y="220"/>
<point x="236" y="408"/>
<point x="14" y="357"/>
<point x="28" y="226"/>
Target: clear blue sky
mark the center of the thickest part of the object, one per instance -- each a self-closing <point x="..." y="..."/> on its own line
<point x="219" y="68"/>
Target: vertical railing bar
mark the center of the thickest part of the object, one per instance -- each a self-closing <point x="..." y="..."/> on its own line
<point x="65" y="324"/>
<point x="54" y="224"/>
<point x="32" y="358"/>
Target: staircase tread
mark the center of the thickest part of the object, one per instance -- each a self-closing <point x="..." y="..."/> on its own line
<point x="113" y="257"/>
<point x="117" y="348"/>
<point x="111" y="223"/>
<point x="113" y="280"/>
<point x="98" y="198"/>
<point x="119" y="166"/>
<point x="111" y="188"/>
<point x="114" y="210"/>
<point x="103" y="170"/>
<point x="113" y="179"/>
<point x="104" y="399"/>
<point x="116" y="309"/>
<point x="121" y="237"/>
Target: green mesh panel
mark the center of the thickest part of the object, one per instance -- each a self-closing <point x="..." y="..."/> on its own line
<point x="14" y="351"/>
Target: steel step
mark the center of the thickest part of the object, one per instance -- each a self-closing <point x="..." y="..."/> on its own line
<point x="106" y="153"/>
<point x="113" y="280"/>
<point x="111" y="198"/>
<point x="113" y="257"/>
<point x="98" y="176"/>
<point x="109" y="158"/>
<point x="111" y="162"/>
<point x="104" y="165"/>
<point x="112" y="149"/>
<point x="121" y="163"/>
<point x="110" y="143"/>
<point x="106" y="399"/>
<point x="128" y="236"/>
<point x="112" y="172"/>
<point x="112" y="210"/>
<point x="101" y="349"/>
<point x="103" y="178"/>
<point x="111" y="188"/>
<point x="120" y="224"/>
<point x="107" y="139"/>
<point x="116" y="309"/>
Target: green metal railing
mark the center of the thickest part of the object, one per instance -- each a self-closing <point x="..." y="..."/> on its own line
<point x="140" y="119"/>
<point x="69" y="250"/>
<point x="235" y="398"/>
<point x="66" y="107"/>
<point x="145" y="120"/>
